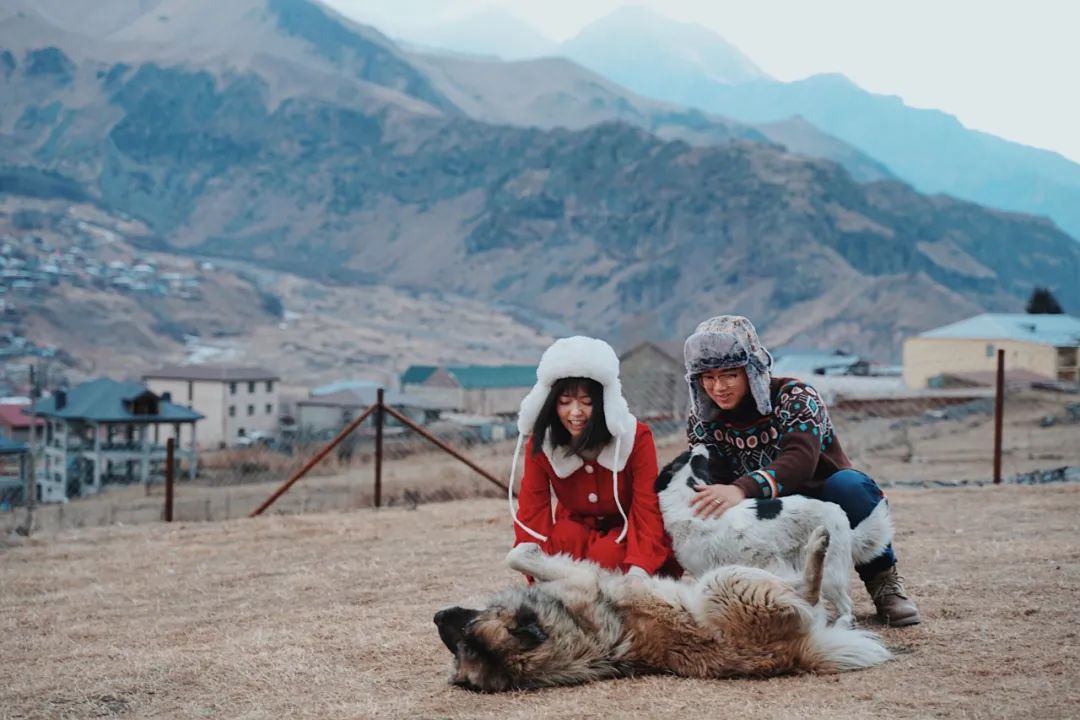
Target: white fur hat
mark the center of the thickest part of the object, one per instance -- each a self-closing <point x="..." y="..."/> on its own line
<point x="585" y="357"/>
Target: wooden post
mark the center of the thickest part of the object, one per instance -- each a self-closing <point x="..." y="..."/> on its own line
<point x="170" y="449"/>
<point x="31" y="475"/>
<point x="999" y="411"/>
<point x="379" y="415"/>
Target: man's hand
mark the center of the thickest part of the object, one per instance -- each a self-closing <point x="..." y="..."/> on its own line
<point x="713" y="500"/>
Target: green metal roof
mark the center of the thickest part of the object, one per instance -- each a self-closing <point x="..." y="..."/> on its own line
<point x="478" y="377"/>
<point x="417" y="374"/>
<point x="103" y="400"/>
<point x="475" y="377"/>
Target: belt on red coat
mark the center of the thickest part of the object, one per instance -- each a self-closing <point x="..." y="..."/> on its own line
<point x="602" y="523"/>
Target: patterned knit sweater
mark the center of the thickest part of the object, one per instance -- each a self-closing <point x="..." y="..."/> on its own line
<point x="792" y="451"/>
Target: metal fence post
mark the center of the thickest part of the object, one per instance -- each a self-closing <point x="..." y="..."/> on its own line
<point x="170" y="449"/>
<point x="313" y="461"/>
<point x="999" y="410"/>
<point x="379" y="416"/>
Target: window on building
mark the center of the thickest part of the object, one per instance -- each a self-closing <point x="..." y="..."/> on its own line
<point x="232" y="411"/>
<point x="232" y="388"/>
<point x="240" y="432"/>
<point x="251" y="410"/>
<point x="269" y="386"/>
<point x="989" y="351"/>
<point x="269" y="408"/>
<point x="251" y="387"/>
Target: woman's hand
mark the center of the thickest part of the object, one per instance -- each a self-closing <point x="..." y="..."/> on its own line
<point x="713" y="500"/>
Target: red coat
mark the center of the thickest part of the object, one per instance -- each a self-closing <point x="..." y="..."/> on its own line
<point x="587" y="521"/>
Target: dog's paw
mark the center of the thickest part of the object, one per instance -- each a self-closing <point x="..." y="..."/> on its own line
<point x="522" y="557"/>
<point x="819" y="540"/>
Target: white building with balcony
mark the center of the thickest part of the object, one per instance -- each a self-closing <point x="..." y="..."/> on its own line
<point x="105" y="431"/>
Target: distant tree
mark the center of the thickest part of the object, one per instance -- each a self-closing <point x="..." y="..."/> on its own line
<point x="1042" y="302"/>
<point x="271" y="304"/>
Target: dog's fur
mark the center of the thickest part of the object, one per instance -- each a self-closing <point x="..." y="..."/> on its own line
<point x="769" y="534"/>
<point x="581" y="623"/>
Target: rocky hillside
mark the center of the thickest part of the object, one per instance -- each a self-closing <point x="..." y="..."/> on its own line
<point x="275" y="132"/>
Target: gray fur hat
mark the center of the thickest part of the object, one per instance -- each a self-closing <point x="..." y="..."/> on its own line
<point x="721" y="343"/>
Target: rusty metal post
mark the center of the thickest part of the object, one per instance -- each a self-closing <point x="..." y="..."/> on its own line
<point x="443" y="446"/>
<point x="379" y="419"/>
<point x="999" y="411"/>
<point x="170" y="469"/>
<point x="313" y="461"/>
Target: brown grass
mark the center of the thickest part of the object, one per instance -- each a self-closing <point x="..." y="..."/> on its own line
<point x="329" y="616"/>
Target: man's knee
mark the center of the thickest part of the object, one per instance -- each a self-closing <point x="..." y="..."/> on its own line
<point x="853" y="491"/>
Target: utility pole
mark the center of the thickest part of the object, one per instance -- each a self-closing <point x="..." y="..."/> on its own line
<point x="37" y="379"/>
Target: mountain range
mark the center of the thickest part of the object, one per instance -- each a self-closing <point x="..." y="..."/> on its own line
<point x="281" y="133"/>
<point x="686" y="64"/>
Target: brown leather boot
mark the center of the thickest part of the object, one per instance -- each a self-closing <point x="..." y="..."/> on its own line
<point x="894" y="607"/>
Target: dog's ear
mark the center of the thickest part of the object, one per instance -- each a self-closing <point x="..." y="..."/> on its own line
<point x="526" y="629"/>
<point x="669" y="470"/>
<point x="699" y="469"/>
<point x="718" y="464"/>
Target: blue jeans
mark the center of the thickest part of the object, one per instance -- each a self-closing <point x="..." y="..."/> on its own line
<point x="857" y="495"/>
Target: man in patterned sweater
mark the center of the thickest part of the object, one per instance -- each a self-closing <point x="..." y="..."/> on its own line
<point x="777" y="439"/>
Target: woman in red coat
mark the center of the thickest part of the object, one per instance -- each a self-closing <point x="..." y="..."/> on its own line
<point x="590" y="466"/>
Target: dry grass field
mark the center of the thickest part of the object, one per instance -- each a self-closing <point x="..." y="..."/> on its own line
<point x="329" y="616"/>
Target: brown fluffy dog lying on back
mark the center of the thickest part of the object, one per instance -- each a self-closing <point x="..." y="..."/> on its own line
<point x="581" y="623"/>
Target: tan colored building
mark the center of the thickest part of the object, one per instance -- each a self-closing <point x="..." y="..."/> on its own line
<point x="1048" y="345"/>
<point x="473" y="389"/>
<point x="235" y="401"/>
<point x="654" y="381"/>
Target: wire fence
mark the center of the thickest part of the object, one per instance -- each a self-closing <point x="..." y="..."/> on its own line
<point x="943" y="438"/>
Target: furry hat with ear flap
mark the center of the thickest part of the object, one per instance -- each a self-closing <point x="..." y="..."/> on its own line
<point x="722" y="343"/>
<point x="579" y="357"/>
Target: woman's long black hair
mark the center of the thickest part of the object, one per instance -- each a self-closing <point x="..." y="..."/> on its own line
<point x="595" y="435"/>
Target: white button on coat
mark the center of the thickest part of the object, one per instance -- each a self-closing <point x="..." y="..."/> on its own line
<point x="589" y="469"/>
<point x="593" y="497"/>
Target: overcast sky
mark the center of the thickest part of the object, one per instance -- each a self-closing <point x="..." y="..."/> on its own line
<point x="1009" y="67"/>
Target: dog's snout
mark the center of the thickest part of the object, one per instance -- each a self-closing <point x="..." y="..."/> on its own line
<point x="454" y="617"/>
<point x="451" y="623"/>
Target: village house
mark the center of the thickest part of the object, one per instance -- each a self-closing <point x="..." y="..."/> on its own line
<point x="805" y="363"/>
<point x="472" y="389"/>
<point x="15" y="424"/>
<point x="1046" y="345"/>
<point x="104" y="431"/>
<point x="14" y="466"/>
<point x="237" y="402"/>
<point x="330" y="411"/>
<point x="654" y="380"/>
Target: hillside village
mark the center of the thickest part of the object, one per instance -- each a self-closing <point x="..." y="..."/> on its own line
<point x="102" y="432"/>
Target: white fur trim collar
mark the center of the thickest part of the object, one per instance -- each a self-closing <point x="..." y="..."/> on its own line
<point x="566" y="465"/>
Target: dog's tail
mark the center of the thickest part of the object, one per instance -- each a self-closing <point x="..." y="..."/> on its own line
<point x="833" y="649"/>
<point x="872" y="535"/>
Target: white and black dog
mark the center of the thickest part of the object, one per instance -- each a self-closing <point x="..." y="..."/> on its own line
<point x="770" y="534"/>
